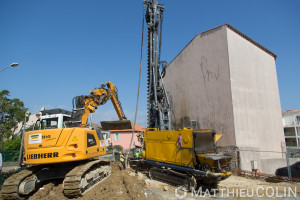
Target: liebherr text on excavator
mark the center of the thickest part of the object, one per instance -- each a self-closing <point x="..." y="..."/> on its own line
<point x="61" y="147"/>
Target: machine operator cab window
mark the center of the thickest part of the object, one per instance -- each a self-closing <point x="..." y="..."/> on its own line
<point x="52" y="122"/>
<point x="48" y="123"/>
<point x="66" y="120"/>
<point x="91" y="141"/>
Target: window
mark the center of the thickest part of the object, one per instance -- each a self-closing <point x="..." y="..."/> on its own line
<point x="289" y="131"/>
<point x="49" y="123"/>
<point x="291" y="142"/>
<point x="99" y="134"/>
<point x="46" y="123"/>
<point x="91" y="141"/>
<point x="37" y="125"/>
<point x="66" y="121"/>
<point x="66" y="118"/>
<point x="117" y="136"/>
<point x="297" y="120"/>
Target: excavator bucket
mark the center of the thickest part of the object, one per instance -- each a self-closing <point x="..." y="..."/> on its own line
<point x="116" y="125"/>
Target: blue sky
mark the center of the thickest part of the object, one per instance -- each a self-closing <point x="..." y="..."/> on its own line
<point x="66" y="48"/>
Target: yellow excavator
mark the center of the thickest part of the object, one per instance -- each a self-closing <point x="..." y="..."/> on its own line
<point x="64" y="148"/>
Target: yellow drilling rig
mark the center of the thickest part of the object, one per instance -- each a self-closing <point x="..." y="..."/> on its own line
<point x="182" y="157"/>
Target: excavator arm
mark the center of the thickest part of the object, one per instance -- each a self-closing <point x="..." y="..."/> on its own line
<point x="84" y="105"/>
<point x="115" y="100"/>
<point x="98" y="97"/>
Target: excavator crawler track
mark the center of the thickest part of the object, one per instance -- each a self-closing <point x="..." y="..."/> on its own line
<point x="84" y="177"/>
<point x="10" y="187"/>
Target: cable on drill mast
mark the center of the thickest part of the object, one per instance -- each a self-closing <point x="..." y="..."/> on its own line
<point x="139" y="84"/>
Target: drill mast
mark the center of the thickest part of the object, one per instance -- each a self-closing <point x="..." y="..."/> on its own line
<point x="158" y="102"/>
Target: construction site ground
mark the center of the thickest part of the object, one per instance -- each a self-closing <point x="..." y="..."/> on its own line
<point x="126" y="184"/>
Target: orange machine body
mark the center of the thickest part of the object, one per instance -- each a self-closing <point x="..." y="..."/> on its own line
<point x="61" y="145"/>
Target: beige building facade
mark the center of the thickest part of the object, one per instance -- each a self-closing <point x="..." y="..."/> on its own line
<point x="226" y="81"/>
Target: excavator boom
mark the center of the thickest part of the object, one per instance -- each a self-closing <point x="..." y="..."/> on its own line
<point x="86" y="104"/>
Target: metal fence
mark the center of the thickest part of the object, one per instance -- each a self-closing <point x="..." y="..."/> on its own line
<point x="293" y="164"/>
<point x="10" y="156"/>
<point x="286" y="162"/>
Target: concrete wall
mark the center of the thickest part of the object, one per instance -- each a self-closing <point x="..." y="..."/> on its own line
<point x="248" y="154"/>
<point x="198" y="84"/>
<point x="255" y="97"/>
<point x="270" y="165"/>
<point x="288" y="120"/>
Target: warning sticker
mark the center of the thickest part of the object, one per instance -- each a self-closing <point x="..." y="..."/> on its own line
<point x="35" y="138"/>
<point x="102" y="143"/>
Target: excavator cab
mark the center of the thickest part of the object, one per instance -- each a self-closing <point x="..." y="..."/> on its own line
<point x="53" y="118"/>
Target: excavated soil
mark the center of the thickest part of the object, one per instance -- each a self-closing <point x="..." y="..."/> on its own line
<point x="122" y="184"/>
<point x="125" y="185"/>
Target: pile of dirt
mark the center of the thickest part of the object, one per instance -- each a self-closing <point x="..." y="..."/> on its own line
<point x="126" y="184"/>
<point x="51" y="191"/>
<point x="120" y="185"/>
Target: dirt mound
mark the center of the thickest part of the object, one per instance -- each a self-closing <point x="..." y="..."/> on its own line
<point x="125" y="185"/>
<point x="50" y="191"/>
<point x="121" y="184"/>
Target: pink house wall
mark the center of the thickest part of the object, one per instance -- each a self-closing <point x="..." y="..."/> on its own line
<point x="125" y="138"/>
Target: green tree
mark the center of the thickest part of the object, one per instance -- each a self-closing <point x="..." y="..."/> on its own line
<point x="12" y="144"/>
<point x="133" y="151"/>
<point x="118" y="147"/>
<point x="10" y="149"/>
<point x="12" y="111"/>
<point x="109" y="148"/>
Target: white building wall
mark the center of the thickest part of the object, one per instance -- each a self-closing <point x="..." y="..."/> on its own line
<point x="255" y="99"/>
<point x="31" y="120"/>
<point x="291" y="124"/>
<point x="198" y="84"/>
<point x="289" y="119"/>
